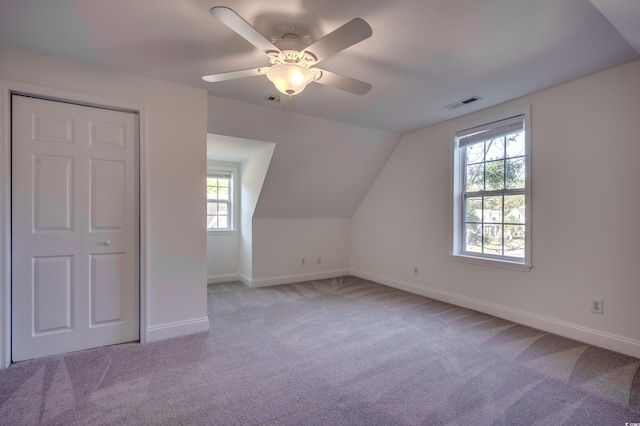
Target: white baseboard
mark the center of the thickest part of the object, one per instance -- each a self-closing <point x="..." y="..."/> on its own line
<point x="573" y="331"/>
<point x="295" y="278"/>
<point x="222" y="278"/>
<point x="177" y="329"/>
<point x="245" y="279"/>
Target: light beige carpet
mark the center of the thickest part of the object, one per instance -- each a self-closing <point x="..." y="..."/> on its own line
<point x="332" y="352"/>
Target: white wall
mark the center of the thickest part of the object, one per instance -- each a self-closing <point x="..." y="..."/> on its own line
<point x="279" y="245"/>
<point x="223" y="257"/>
<point x="319" y="172"/>
<point x="175" y="176"/>
<point x="585" y="228"/>
<point x="254" y="170"/>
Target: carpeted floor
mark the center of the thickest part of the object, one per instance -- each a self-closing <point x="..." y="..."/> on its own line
<point x="333" y="352"/>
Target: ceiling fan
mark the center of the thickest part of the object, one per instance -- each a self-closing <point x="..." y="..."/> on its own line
<point x="293" y="62"/>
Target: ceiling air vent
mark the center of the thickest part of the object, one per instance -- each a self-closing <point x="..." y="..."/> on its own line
<point x="272" y="98"/>
<point x="463" y="102"/>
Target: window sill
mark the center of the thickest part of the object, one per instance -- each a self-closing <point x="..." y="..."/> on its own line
<point x="496" y="263"/>
<point x="226" y="232"/>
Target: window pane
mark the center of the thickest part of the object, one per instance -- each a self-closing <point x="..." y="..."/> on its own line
<point x="494" y="149"/>
<point x="514" y="209"/>
<point x="492" y="238"/>
<point x="473" y="238"/>
<point x="475" y="153"/>
<point x="211" y="220"/>
<point x="217" y="215"/>
<point x="223" y="193"/>
<point x="474" y="178"/>
<point x="494" y="175"/>
<point x="218" y="188"/>
<point x="492" y="212"/>
<point x="211" y="192"/>
<point x="514" y="241"/>
<point x="473" y="209"/>
<point x="515" y="173"/>
<point x="223" y="222"/>
<point x="515" y="145"/>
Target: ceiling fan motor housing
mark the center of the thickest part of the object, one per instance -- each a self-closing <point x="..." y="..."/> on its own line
<point x="290" y="41"/>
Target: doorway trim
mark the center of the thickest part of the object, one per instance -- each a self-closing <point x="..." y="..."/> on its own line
<point x="9" y="88"/>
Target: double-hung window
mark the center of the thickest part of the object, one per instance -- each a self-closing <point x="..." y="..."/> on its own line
<point x="492" y="193"/>
<point x="220" y="201"/>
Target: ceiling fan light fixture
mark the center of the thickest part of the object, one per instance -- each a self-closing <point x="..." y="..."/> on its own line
<point x="290" y="79"/>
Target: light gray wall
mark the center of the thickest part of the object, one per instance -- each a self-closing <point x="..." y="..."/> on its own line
<point x="175" y="176"/>
<point x="585" y="227"/>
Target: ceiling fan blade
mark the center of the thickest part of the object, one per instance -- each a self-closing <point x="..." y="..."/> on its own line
<point x="347" y="35"/>
<point x="231" y="75"/>
<point x="234" y="21"/>
<point x="344" y="83"/>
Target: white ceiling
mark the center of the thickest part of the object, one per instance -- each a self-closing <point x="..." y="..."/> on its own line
<point x="234" y="150"/>
<point x="423" y="55"/>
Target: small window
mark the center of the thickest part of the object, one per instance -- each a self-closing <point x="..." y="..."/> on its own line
<point x="492" y="192"/>
<point x="220" y="201"/>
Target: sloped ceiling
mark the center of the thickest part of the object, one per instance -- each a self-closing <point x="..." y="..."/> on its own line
<point x="423" y="55"/>
<point x="624" y="15"/>
<point x="319" y="169"/>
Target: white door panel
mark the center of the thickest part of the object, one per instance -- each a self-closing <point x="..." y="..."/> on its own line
<point x="45" y="223"/>
<point x="108" y="200"/>
<point x="74" y="228"/>
<point x="110" y="233"/>
<point x="54" y="128"/>
<point x="53" y="293"/>
<point x="53" y="188"/>
<point x="106" y="288"/>
<point x="108" y="135"/>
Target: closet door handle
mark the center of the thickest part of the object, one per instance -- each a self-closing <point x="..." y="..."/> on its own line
<point x="106" y="243"/>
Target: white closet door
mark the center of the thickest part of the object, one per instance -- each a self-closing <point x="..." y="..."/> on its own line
<point x="74" y="228"/>
<point x="46" y="228"/>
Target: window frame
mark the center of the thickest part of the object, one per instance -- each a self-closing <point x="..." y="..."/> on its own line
<point x="458" y="175"/>
<point x="217" y="169"/>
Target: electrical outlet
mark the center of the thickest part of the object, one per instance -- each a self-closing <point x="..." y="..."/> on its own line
<point x="415" y="270"/>
<point x="319" y="260"/>
<point x="597" y="306"/>
<point x="303" y="262"/>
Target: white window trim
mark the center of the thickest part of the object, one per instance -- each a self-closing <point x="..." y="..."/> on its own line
<point x="455" y="237"/>
<point x="216" y="168"/>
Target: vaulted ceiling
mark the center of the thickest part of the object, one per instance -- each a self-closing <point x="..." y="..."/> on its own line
<point x="422" y="56"/>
